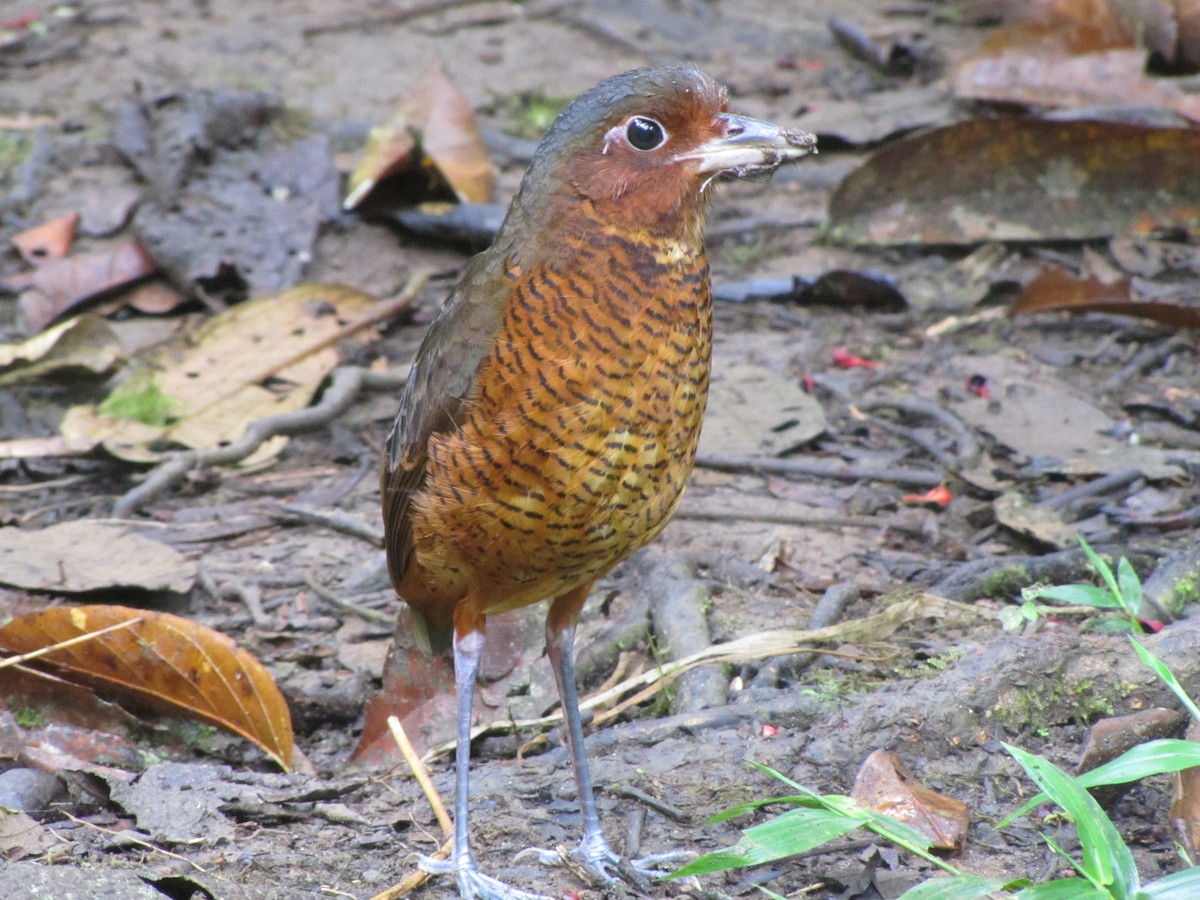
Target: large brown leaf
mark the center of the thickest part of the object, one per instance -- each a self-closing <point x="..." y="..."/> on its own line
<point x="1057" y="289"/>
<point x="165" y="661"/>
<point x="1021" y="179"/>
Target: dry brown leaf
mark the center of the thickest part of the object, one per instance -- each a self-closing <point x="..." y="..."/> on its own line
<point x="885" y="785"/>
<point x="86" y="555"/>
<point x="1168" y="28"/>
<point x="1021" y="179"/>
<point x="390" y="150"/>
<point x="262" y="357"/>
<point x="1057" y="289"/>
<point x="450" y="138"/>
<point x="1185" y="803"/>
<point x="1105" y="78"/>
<point x="84" y="342"/>
<point x="60" y="285"/>
<point x="434" y="128"/>
<point x="154" y="298"/>
<point x="165" y="661"/>
<point x="1058" y="53"/>
<point x="50" y="240"/>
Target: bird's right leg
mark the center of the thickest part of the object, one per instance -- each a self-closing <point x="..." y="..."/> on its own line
<point x="472" y="884"/>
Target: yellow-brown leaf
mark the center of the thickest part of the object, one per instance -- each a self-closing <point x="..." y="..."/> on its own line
<point x="166" y="661"/>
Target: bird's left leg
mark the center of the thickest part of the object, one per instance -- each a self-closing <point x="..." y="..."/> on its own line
<point x="593" y="854"/>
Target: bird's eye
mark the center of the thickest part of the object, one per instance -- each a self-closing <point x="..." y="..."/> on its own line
<point x="645" y="134"/>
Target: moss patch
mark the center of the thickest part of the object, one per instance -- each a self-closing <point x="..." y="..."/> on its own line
<point x="1053" y="703"/>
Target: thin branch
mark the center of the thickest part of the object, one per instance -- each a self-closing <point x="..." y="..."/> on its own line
<point x="820" y="468"/>
<point x="127" y="836"/>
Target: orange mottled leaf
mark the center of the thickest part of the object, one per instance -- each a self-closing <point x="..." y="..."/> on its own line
<point x="164" y="661"/>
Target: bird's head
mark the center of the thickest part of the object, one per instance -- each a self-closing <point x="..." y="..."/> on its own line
<point x="643" y="148"/>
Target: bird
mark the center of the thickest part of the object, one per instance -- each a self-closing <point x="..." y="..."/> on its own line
<point x="551" y="416"/>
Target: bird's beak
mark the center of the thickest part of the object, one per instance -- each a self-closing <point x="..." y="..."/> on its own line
<point x="749" y="145"/>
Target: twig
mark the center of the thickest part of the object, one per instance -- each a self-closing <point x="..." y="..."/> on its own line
<point x="126" y="836"/>
<point x="967" y="445"/>
<point x="400" y="736"/>
<point x="70" y="642"/>
<point x="1105" y="484"/>
<point x="671" y="812"/>
<point x="417" y="878"/>
<point x="398" y="17"/>
<point x="363" y="612"/>
<point x="334" y="522"/>
<point x="956" y="323"/>
<point x="819" y="468"/>
<point x="699" y="511"/>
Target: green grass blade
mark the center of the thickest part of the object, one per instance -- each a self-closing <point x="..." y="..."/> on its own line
<point x="753" y="805"/>
<point x="794" y="785"/>
<point x="1159" y="668"/>
<point x="1103" y="569"/>
<point x="1152" y="758"/>
<point x="792" y="832"/>
<point x="1131" y="587"/>
<point x="1183" y="885"/>
<point x="1079" y="595"/>
<point x="1105" y="858"/>
<point x="1063" y="889"/>
<point x="955" y="887"/>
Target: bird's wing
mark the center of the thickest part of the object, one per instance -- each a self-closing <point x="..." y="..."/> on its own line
<point x="436" y="395"/>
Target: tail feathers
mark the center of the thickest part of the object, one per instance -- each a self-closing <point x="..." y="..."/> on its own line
<point x="432" y="637"/>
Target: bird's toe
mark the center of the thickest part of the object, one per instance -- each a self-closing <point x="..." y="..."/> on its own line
<point x="473" y="884"/>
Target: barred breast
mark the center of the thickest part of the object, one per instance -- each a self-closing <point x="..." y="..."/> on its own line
<point x="582" y="431"/>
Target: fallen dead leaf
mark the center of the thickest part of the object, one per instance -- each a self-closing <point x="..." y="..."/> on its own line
<point x="60" y="285"/>
<point x="21" y="836"/>
<point x="50" y="240"/>
<point x="1021" y="179"/>
<point x="1013" y="510"/>
<point x="755" y="410"/>
<point x="85" y="342"/>
<point x="166" y="661"/>
<point x="1057" y="289"/>
<point x="1185" y="804"/>
<point x="263" y="357"/>
<point x="89" y="555"/>
<point x="885" y="785"/>
<point x="1108" y="78"/>
<point x="1168" y="28"/>
<point x="434" y="128"/>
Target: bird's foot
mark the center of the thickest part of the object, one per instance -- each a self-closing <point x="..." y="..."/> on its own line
<point x="598" y="864"/>
<point x="473" y="884"/>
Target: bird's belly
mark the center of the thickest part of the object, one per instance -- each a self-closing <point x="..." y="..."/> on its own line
<point x="533" y="497"/>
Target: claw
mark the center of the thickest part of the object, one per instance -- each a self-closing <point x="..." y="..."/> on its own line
<point x="599" y="864"/>
<point x="473" y="884"/>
